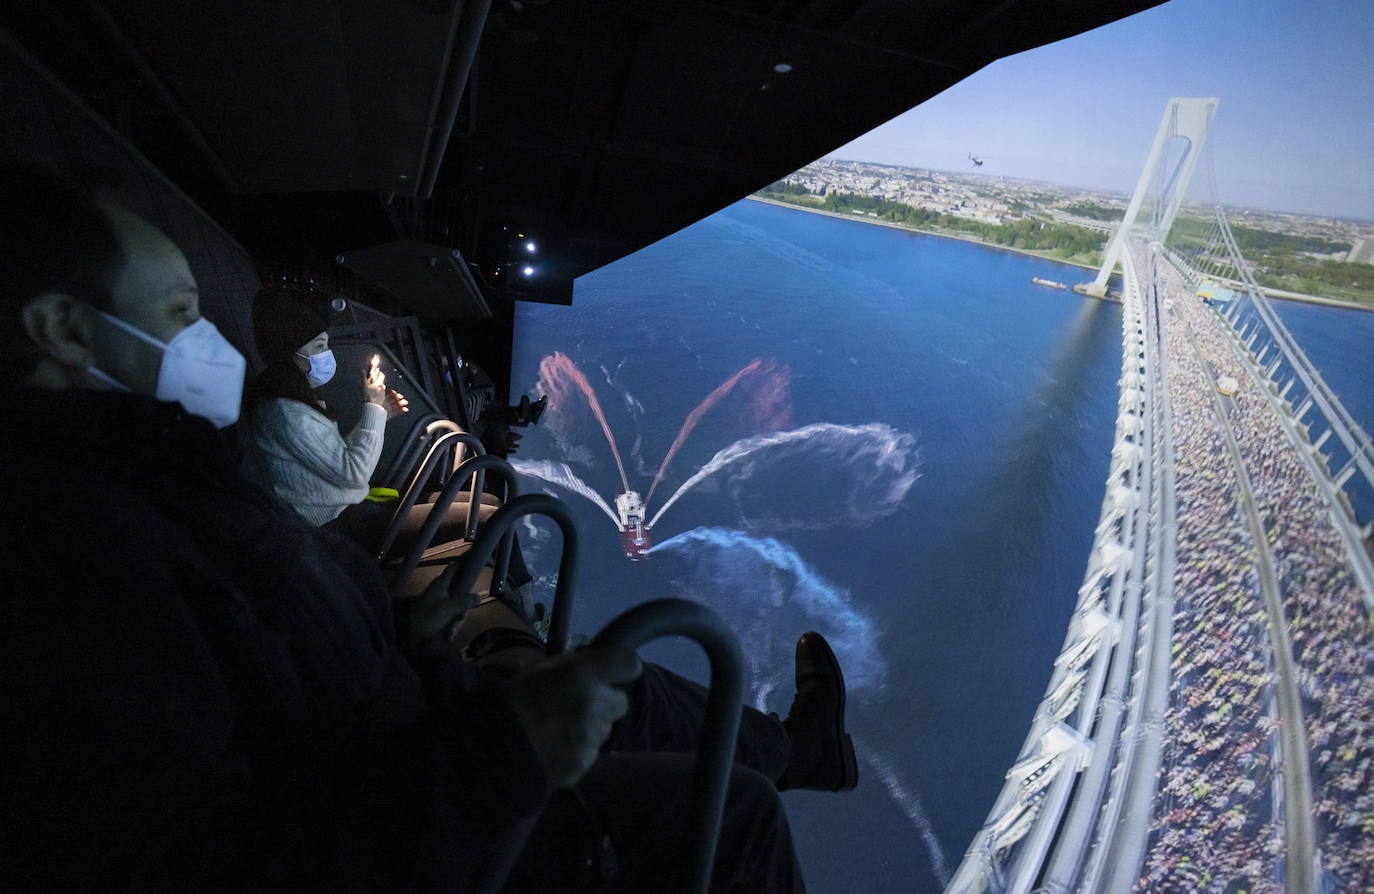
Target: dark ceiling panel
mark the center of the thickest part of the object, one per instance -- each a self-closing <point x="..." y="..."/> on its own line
<point x="301" y="96"/>
<point x="619" y="124"/>
<point x="600" y="125"/>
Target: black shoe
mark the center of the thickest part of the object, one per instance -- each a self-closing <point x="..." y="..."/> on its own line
<point x="822" y="752"/>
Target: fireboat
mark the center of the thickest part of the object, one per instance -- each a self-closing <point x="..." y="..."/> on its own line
<point x="634" y="533"/>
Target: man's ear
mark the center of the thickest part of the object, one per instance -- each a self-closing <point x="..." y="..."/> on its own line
<point x="61" y="331"/>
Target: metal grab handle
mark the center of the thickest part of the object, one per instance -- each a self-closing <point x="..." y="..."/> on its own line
<point x="412" y="493"/>
<point x="421" y="430"/>
<point x="447" y="432"/>
<point x="720" y="724"/>
<point x="454" y="586"/>
<point x="474" y="467"/>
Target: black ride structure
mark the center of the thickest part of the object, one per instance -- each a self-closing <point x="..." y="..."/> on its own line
<point x="424" y="165"/>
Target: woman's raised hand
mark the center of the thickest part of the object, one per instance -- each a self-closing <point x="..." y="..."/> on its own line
<point x="374" y="389"/>
<point x="396" y="404"/>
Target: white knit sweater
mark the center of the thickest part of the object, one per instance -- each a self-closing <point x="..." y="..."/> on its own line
<point x="299" y="453"/>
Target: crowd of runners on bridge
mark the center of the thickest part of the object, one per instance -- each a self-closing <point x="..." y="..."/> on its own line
<point x="1215" y="812"/>
<point x="1217" y="823"/>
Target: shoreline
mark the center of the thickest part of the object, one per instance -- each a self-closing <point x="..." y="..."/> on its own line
<point x="893" y="225"/>
<point x="1304" y="298"/>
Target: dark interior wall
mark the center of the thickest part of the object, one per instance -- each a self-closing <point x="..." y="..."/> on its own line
<point x="42" y="121"/>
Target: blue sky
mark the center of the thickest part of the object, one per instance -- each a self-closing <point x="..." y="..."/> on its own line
<point x="1294" y="131"/>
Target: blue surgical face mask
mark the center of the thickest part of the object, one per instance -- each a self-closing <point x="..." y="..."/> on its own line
<point x="200" y="370"/>
<point x="322" y="367"/>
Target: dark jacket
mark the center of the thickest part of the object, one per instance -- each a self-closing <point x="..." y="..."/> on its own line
<point x="198" y="691"/>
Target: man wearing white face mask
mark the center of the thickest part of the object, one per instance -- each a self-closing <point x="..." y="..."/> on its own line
<point x="199" y="370"/>
<point x="161" y="348"/>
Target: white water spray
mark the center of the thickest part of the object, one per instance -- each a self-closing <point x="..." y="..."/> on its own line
<point x="889" y="453"/>
<point x="851" y="632"/>
<point x="561" y="475"/>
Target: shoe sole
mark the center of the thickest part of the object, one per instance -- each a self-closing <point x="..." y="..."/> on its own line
<point x="847" y="757"/>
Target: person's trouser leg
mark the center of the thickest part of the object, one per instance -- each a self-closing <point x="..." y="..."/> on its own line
<point x="665" y="714"/>
<point x="364" y="523"/>
<point x="625" y="823"/>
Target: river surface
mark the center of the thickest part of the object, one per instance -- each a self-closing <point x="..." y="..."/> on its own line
<point x="903" y="445"/>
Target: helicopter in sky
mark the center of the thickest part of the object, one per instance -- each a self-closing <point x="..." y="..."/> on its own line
<point x="977" y="162"/>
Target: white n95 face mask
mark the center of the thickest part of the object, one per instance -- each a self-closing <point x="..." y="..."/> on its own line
<point x="200" y="370"/>
<point x="322" y="367"/>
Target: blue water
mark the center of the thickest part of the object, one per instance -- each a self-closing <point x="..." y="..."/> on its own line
<point x="933" y="522"/>
<point x="1340" y="343"/>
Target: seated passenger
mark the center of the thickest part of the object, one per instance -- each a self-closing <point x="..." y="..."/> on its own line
<point x="292" y="441"/>
<point x="201" y="692"/>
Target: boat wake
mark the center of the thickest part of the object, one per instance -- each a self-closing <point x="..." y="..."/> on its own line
<point x="782" y="584"/>
<point x="911" y="806"/>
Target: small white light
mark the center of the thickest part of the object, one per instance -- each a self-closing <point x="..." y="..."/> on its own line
<point x="782" y="68"/>
<point x="529" y="246"/>
<point x="528" y="271"/>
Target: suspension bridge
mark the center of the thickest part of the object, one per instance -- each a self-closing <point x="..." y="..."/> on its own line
<point x="1209" y="721"/>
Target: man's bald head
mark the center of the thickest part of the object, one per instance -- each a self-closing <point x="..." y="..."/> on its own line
<point x="139" y="240"/>
<point x="154" y="289"/>
<point x="139" y="276"/>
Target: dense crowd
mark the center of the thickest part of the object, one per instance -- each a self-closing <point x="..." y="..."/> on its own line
<point x="1333" y="639"/>
<point x="1330" y="629"/>
<point x="1214" y="827"/>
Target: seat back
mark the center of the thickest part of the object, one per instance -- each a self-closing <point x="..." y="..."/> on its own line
<point x="472" y="470"/>
<point x="449" y="441"/>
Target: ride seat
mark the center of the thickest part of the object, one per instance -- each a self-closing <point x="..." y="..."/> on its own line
<point x="433" y="562"/>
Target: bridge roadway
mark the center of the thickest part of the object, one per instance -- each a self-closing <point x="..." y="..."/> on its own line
<point x="1295" y="770"/>
<point x="1313" y="577"/>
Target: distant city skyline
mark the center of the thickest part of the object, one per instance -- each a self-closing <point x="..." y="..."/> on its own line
<point x="1294" y="131"/>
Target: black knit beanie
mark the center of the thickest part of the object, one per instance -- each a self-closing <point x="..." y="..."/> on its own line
<point x="284" y="320"/>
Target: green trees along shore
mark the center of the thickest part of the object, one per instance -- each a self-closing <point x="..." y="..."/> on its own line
<point x="1292" y="263"/>
<point x="1063" y="241"/>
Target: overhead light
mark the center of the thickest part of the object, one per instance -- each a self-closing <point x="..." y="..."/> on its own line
<point x="529" y="246"/>
<point x="528" y="271"/>
<point x="782" y="68"/>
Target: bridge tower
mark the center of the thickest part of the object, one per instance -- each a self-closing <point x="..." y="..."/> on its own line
<point x="1186" y="117"/>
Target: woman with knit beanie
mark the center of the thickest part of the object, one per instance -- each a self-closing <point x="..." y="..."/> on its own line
<point x="292" y="441"/>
